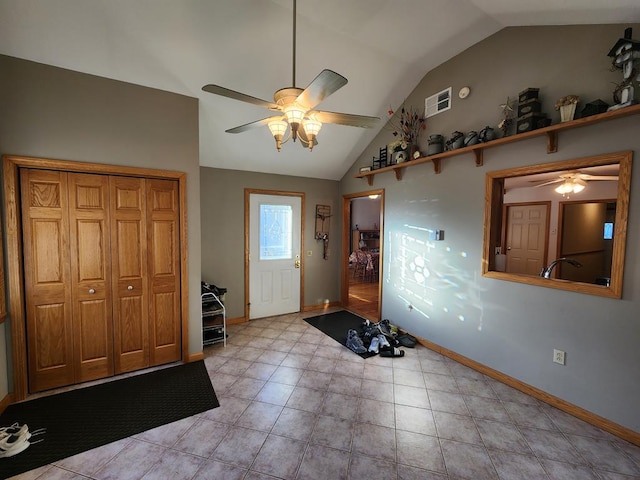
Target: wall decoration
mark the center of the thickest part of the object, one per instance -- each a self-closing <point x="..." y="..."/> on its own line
<point x="381" y="161"/>
<point x="323" y="213"/>
<point x="507" y="117"/>
<point x="626" y="57"/>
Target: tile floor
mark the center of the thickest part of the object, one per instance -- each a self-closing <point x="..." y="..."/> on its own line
<point x="297" y="405"/>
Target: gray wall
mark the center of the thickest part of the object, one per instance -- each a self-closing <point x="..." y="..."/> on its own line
<point x="55" y="113"/>
<point x="365" y="212"/>
<point x="507" y="326"/>
<point x="222" y="219"/>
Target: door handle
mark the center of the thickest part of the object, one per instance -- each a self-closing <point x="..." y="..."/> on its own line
<point x="297" y="264"/>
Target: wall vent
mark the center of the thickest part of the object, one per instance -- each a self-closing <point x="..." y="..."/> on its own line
<point x="437" y="103"/>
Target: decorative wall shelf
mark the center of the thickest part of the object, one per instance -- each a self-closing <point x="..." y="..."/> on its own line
<point x="551" y="132"/>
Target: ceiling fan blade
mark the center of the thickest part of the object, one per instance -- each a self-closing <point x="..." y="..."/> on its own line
<point x="557" y="180"/>
<point x="344" y="119"/>
<point x="249" y="126"/>
<point x="320" y="88"/>
<point x="585" y="176"/>
<point x="225" y="92"/>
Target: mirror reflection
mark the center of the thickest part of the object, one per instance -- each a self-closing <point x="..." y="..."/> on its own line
<point x="561" y="225"/>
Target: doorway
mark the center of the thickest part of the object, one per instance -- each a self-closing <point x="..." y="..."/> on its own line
<point x="273" y="242"/>
<point x="527" y="233"/>
<point x="361" y="260"/>
<point x="585" y="234"/>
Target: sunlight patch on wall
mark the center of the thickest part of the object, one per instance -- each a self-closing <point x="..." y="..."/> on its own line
<point x="429" y="278"/>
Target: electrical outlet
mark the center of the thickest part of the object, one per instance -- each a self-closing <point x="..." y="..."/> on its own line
<point x="558" y="356"/>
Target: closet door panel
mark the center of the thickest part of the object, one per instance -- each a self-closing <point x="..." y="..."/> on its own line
<point x="164" y="271"/>
<point x="129" y="251"/>
<point x="47" y="275"/>
<point x="91" y="275"/>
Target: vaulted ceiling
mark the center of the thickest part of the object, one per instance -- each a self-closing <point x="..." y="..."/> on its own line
<point x="383" y="47"/>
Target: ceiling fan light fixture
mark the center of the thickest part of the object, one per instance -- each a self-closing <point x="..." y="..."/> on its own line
<point x="311" y="128"/>
<point x="571" y="186"/>
<point x="295" y="103"/>
<point x="578" y="186"/>
<point x="278" y="128"/>
<point x="294" y="114"/>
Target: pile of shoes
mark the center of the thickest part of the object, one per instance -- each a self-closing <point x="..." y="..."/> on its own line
<point x="15" y="439"/>
<point x="375" y="338"/>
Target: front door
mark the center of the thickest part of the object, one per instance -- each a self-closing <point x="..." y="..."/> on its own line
<point x="527" y="226"/>
<point x="274" y="254"/>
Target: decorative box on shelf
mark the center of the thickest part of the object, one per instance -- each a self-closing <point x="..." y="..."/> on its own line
<point x="528" y="94"/>
<point x="532" y="121"/>
<point x="532" y="105"/>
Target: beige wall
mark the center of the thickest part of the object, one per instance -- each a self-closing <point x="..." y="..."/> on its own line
<point x="222" y="219"/>
<point x="511" y="327"/>
<point x="55" y="113"/>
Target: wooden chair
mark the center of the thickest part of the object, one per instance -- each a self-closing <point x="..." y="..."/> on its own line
<point x="360" y="269"/>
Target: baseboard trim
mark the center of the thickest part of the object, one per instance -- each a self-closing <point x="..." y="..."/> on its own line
<point x="579" y="412"/>
<point x="194" y="357"/>
<point x="6" y="401"/>
<point x="308" y="308"/>
<point x="236" y="321"/>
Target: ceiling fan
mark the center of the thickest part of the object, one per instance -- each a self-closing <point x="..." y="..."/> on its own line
<point x="575" y="181"/>
<point x="295" y="106"/>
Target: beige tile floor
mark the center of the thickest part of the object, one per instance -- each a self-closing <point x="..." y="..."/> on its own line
<point x="297" y="405"/>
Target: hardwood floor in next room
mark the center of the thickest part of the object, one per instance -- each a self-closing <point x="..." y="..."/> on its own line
<point x="363" y="298"/>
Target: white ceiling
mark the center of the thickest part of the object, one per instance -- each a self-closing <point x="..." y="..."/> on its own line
<point x="383" y="47"/>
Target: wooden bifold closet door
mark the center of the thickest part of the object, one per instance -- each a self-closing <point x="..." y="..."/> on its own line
<point x="101" y="264"/>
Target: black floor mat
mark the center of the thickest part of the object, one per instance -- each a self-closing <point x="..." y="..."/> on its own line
<point x="86" y="418"/>
<point x="337" y="324"/>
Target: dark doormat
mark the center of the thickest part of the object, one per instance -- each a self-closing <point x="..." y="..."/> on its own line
<point x="337" y="324"/>
<point x="86" y="418"/>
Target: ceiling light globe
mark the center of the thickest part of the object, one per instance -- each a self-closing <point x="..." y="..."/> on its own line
<point x="311" y="127"/>
<point x="278" y="128"/>
<point x="294" y="113"/>
<point x="566" y="187"/>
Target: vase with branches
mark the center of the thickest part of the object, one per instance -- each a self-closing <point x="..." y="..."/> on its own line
<point x="406" y="125"/>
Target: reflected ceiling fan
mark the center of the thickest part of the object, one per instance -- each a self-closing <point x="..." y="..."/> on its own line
<point x="575" y="181"/>
<point x="295" y="106"/>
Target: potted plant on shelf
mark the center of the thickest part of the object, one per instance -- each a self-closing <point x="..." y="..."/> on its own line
<point x="567" y="107"/>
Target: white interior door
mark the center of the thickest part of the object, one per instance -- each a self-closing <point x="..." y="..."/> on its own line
<point x="526" y="238"/>
<point x="274" y="257"/>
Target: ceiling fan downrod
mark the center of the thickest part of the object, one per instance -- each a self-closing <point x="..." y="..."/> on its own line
<point x="294" y="45"/>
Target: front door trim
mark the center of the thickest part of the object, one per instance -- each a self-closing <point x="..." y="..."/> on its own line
<point x="14" y="270"/>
